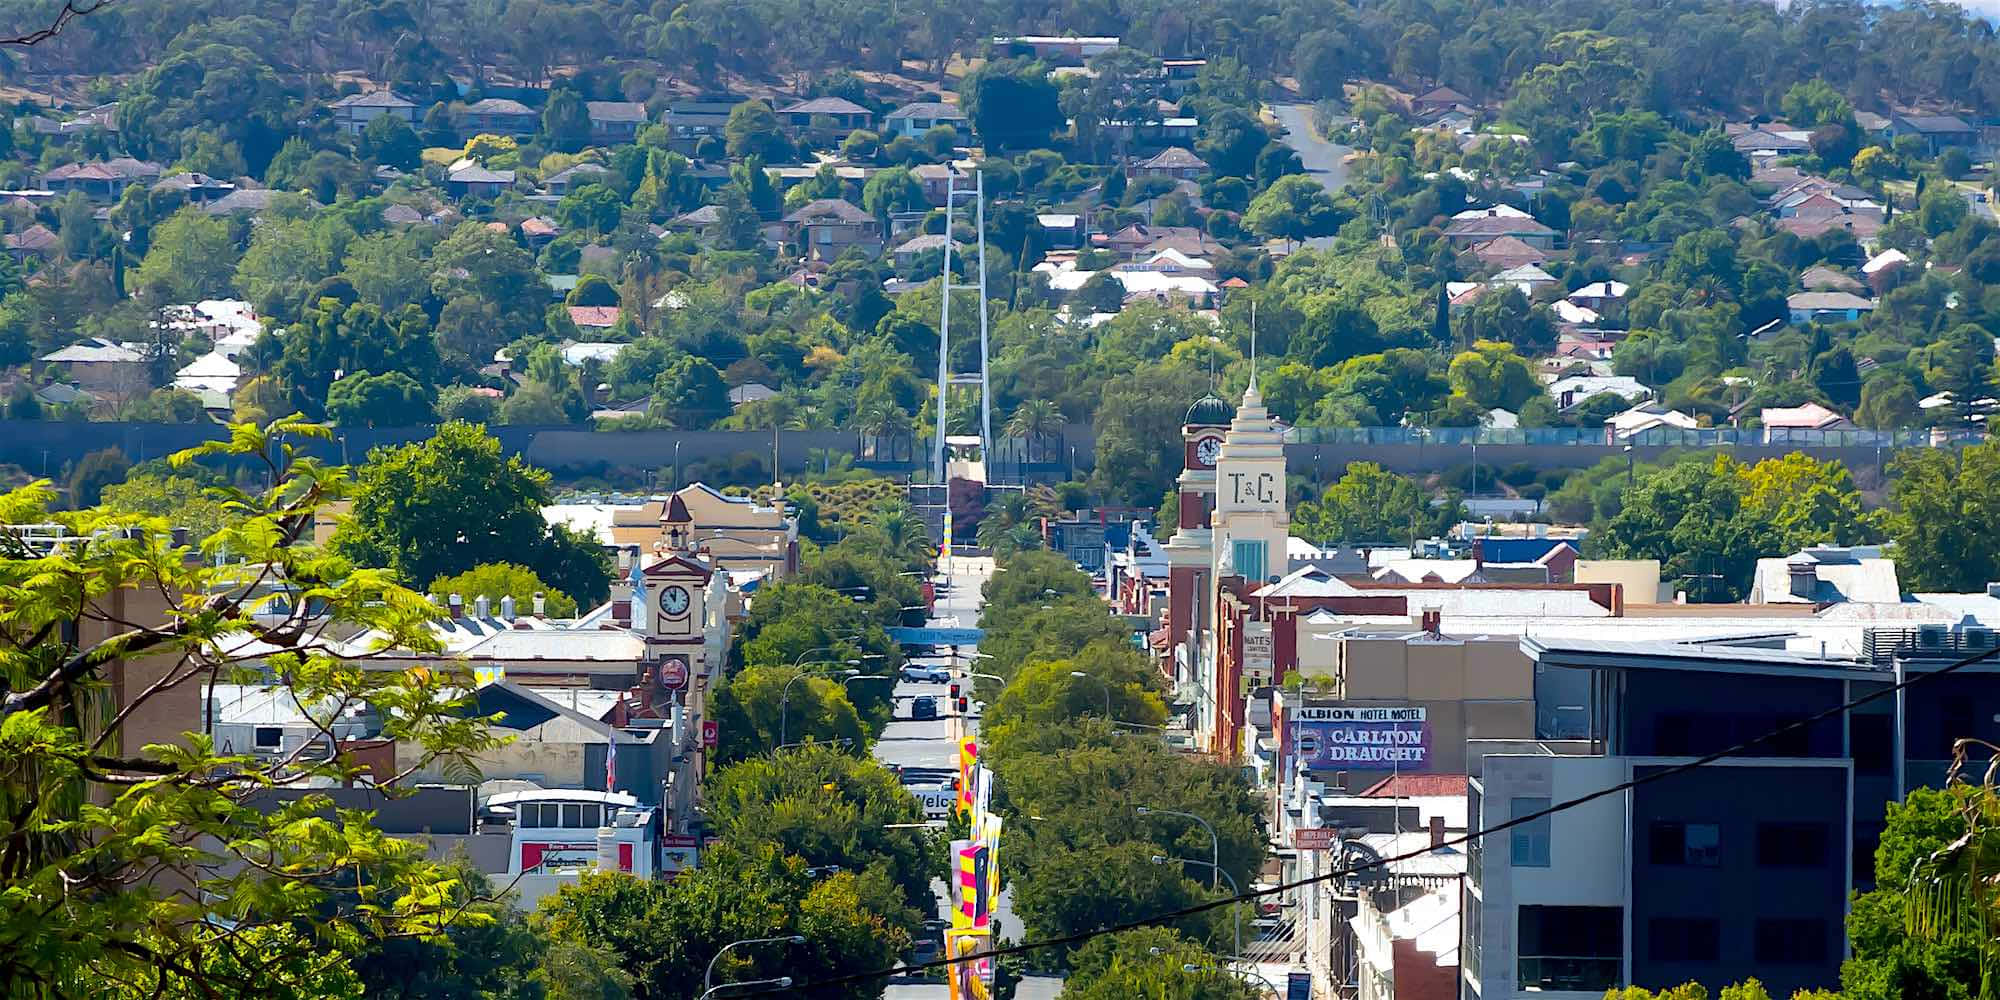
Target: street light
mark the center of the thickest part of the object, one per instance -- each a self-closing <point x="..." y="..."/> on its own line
<point x="1101" y="683"/>
<point x="1235" y="909"/>
<point x="781" y="982"/>
<point x="785" y="696"/>
<point x="708" y="978"/>
<point x="1214" y="842"/>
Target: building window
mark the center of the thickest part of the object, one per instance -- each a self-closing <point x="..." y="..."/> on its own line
<point x="1697" y="845"/>
<point x="1570" y="948"/>
<point x="593" y="815"/>
<point x="1529" y="843"/>
<point x="1798" y="941"/>
<point x="1684" y="939"/>
<point x="572" y="815"/>
<point x="1791" y="845"/>
<point x="269" y="737"/>
<point x="1248" y="558"/>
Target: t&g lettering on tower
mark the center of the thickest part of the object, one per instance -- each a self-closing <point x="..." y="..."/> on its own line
<point x="1245" y="488"/>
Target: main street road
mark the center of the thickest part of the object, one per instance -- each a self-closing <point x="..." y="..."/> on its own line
<point x="1322" y="159"/>
<point x="929" y="744"/>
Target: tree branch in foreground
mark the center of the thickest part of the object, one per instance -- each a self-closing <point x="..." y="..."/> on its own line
<point x="71" y="10"/>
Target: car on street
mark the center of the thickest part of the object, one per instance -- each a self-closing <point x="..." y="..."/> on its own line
<point x="922" y="709"/>
<point x="920" y="672"/>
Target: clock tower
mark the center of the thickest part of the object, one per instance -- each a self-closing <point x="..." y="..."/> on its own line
<point x="678" y="594"/>
<point x="1188" y="551"/>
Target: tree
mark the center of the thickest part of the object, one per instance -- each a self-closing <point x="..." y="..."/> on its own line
<point x="1492" y="375"/>
<point x="1048" y="692"/>
<point x="760" y="704"/>
<point x="178" y="500"/>
<point x="494" y="581"/>
<point x="391" y="142"/>
<point x="1071" y="890"/>
<point x="96" y="820"/>
<point x="93" y="473"/>
<point x="1151" y="962"/>
<point x="1943" y="507"/>
<point x="691" y="393"/>
<point x="479" y="262"/>
<point x="1295" y="207"/>
<point x="1367" y="504"/>
<point x="665" y="934"/>
<point x="1100" y="293"/>
<point x="1899" y="949"/>
<point x="890" y="191"/>
<point x="591" y="208"/>
<point x="446" y="505"/>
<point x="390" y="400"/>
<point x="335" y="337"/>
<point x="1319" y="62"/>
<point x="1139" y="423"/>
<point x="1012" y="105"/>
<point x="1230" y="141"/>
<point x="1888" y="402"/>
<point x="753" y="130"/>
<point x="827" y="807"/>
<point x="565" y="120"/>
<point x="1941" y="208"/>
<point x="192" y="258"/>
<point x="1960" y="363"/>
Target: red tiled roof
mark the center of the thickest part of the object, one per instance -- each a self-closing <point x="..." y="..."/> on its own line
<point x="594" y="316"/>
<point x="1410" y="786"/>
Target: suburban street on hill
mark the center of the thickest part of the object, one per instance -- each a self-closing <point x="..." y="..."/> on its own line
<point x="1322" y="159"/>
<point x="929" y="744"/>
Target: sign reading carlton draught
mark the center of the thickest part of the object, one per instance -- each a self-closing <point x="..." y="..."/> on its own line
<point x="1361" y="739"/>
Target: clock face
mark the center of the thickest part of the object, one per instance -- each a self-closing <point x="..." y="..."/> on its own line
<point x="674" y="601"/>
<point x="1207" y="450"/>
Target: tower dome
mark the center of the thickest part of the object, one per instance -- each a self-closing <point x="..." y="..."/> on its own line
<point x="1210" y="410"/>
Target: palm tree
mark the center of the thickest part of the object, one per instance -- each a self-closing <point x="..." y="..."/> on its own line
<point x="879" y="421"/>
<point x="1957" y="890"/>
<point x="1035" y="421"/>
<point x="901" y="533"/>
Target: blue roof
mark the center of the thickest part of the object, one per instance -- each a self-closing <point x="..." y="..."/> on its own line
<point x="1517" y="550"/>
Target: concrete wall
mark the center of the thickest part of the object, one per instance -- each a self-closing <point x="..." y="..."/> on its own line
<point x="1640" y="578"/>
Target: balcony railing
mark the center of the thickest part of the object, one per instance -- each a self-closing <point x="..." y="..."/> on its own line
<point x="1568" y="972"/>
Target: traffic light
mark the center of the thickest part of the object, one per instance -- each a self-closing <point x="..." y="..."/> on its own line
<point x="954" y="690"/>
<point x="963" y="705"/>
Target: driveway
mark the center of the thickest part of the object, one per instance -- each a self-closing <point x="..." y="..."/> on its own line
<point x="1322" y="158"/>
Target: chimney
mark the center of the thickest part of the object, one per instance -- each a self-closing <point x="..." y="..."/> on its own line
<point x="507" y="606"/>
<point x="457" y="606"/>
<point x="1433" y="622"/>
<point x="541" y="604"/>
<point x="1993" y="590"/>
<point x="482" y="608"/>
<point x="1805" y="578"/>
<point x="1437" y="831"/>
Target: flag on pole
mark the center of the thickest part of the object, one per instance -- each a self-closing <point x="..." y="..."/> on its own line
<point x="611" y="764"/>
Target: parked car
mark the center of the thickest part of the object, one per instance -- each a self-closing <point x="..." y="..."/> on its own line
<point x="930" y="674"/>
<point x="922" y="709"/>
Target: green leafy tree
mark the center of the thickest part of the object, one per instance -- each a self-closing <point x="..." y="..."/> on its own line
<point x="1012" y="105"/>
<point x="446" y="505"/>
<point x="829" y="808"/>
<point x="1492" y="375"/>
<point x="1138" y="438"/>
<point x="389" y="400"/>
<point x="1151" y="962"/>
<point x="489" y="265"/>
<point x="1293" y="208"/>
<point x="390" y="141"/>
<point x="590" y="208"/>
<point x="494" y="581"/>
<point x="192" y="257"/>
<point x="1943" y="506"/>
<point x="565" y="120"/>
<point x="665" y="934"/>
<point x="93" y="473"/>
<point x="1367" y="504"/>
<point x="691" y="393"/>
<point x="1101" y="293"/>
<point x="760" y="704"/>
<point x="1049" y="692"/>
<point x="180" y="501"/>
<point x="97" y="819"/>
<point x="334" y="337"/>
<point x="753" y="130"/>
<point x="892" y="190"/>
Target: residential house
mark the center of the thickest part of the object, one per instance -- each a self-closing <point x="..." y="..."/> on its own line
<point x="1826" y="307"/>
<point x="1635" y="422"/>
<point x="242" y="201"/>
<point x="913" y="120"/>
<point x="1507" y="252"/>
<point x="703" y="222"/>
<point x="906" y="254"/>
<point x="828" y="227"/>
<point x="1139" y="237"/>
<point x="1156" y="133"/>
<point x="1526" y="278"/>
<point x="538" y="232"/>
<point x="1762" y="143"/>
<point x="1439" y="99"/>
<point x="1572" y="391"/>
<point x="750" y="392"/>
<point x="105" y="181"/>
<point x="832" y="115"/>
<point x="1492" y="224"/>
<point x="689" y="122"/>
<point x="615" y="122"/>
<point x="1057" y="48"/>
<point x="1605" y="298"/>
<point x="594" y="319"/>
<point x="35" y="241"/>
<point x="937" y="179"/>
<point x="103" y="367"/>
<point x="1177" y="75"/>
<point x="351" y="114"/>
<point x="1937" y="132"/>
<point x="1176" y="162"/>
<point x="1061" y="231"/>
<point x="563" y="181"/>
<point x="501" y="116"/>
<point x="401" y="215"/>
<point x="470" y="180"/>
<point x="1821" y="278"/>
<point x="1781" y="422"/>
<point x="199" y="188"/>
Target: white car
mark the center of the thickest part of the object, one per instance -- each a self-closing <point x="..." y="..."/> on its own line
<point x="918" y="672"/>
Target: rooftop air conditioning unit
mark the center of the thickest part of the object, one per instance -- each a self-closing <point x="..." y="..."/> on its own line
<point x="1930" y="637"/>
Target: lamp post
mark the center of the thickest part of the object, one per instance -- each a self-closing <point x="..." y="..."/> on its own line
<point x="1235" y="909"/>
<point x="785" y="696"/>
<point x="708" y="978"/>
<point x="1101" y="683"/>
<point x="781" y="982"/>
<point x="1214" y="842"/>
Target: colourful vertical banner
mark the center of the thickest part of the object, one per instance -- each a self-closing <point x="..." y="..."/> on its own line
<point x="964" y="978"/>
<point x="968" y="755"/>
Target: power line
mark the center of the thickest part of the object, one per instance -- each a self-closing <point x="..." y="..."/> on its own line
<point x="1464" y="838"/>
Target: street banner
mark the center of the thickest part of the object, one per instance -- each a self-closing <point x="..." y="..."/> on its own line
<point x="968" y="755"/>
<point x="990" y="834"/>
<point x="975" y="903"/>
<point x="966" y="979"/>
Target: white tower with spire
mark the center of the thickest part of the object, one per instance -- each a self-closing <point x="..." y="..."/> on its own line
<point x="1251" y="523"/>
